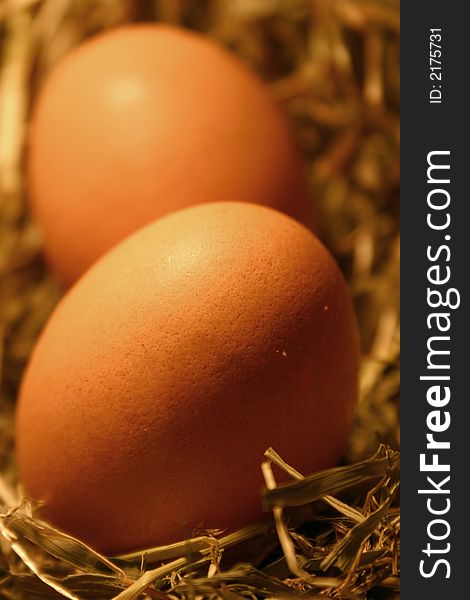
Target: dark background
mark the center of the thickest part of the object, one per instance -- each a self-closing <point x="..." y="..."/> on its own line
<point x="426" y="127"/>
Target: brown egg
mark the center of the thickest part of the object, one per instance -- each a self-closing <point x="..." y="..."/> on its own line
<point x="174" y="363"/>
<point x="145" y="120"/>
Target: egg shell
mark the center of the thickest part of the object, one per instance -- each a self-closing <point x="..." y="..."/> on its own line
<point x="145" y="120"/>
<point x="174" y="363"/>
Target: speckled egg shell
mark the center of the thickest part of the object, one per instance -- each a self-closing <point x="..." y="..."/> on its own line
<point x="171" y="366"/>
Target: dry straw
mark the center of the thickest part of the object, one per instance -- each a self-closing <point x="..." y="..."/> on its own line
<point x="334" y="67"/>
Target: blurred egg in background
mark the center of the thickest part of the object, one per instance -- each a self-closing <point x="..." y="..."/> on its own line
<point x="144" y="120"/>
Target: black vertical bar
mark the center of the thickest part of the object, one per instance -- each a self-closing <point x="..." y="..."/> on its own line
<point x="435" y="568"/>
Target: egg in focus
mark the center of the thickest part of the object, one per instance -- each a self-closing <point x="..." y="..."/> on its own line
<point x="177" y="359"/>
<point x="144" y="120"/>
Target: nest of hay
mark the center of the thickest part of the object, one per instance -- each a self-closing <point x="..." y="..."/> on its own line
<point x="334" y="68"/>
